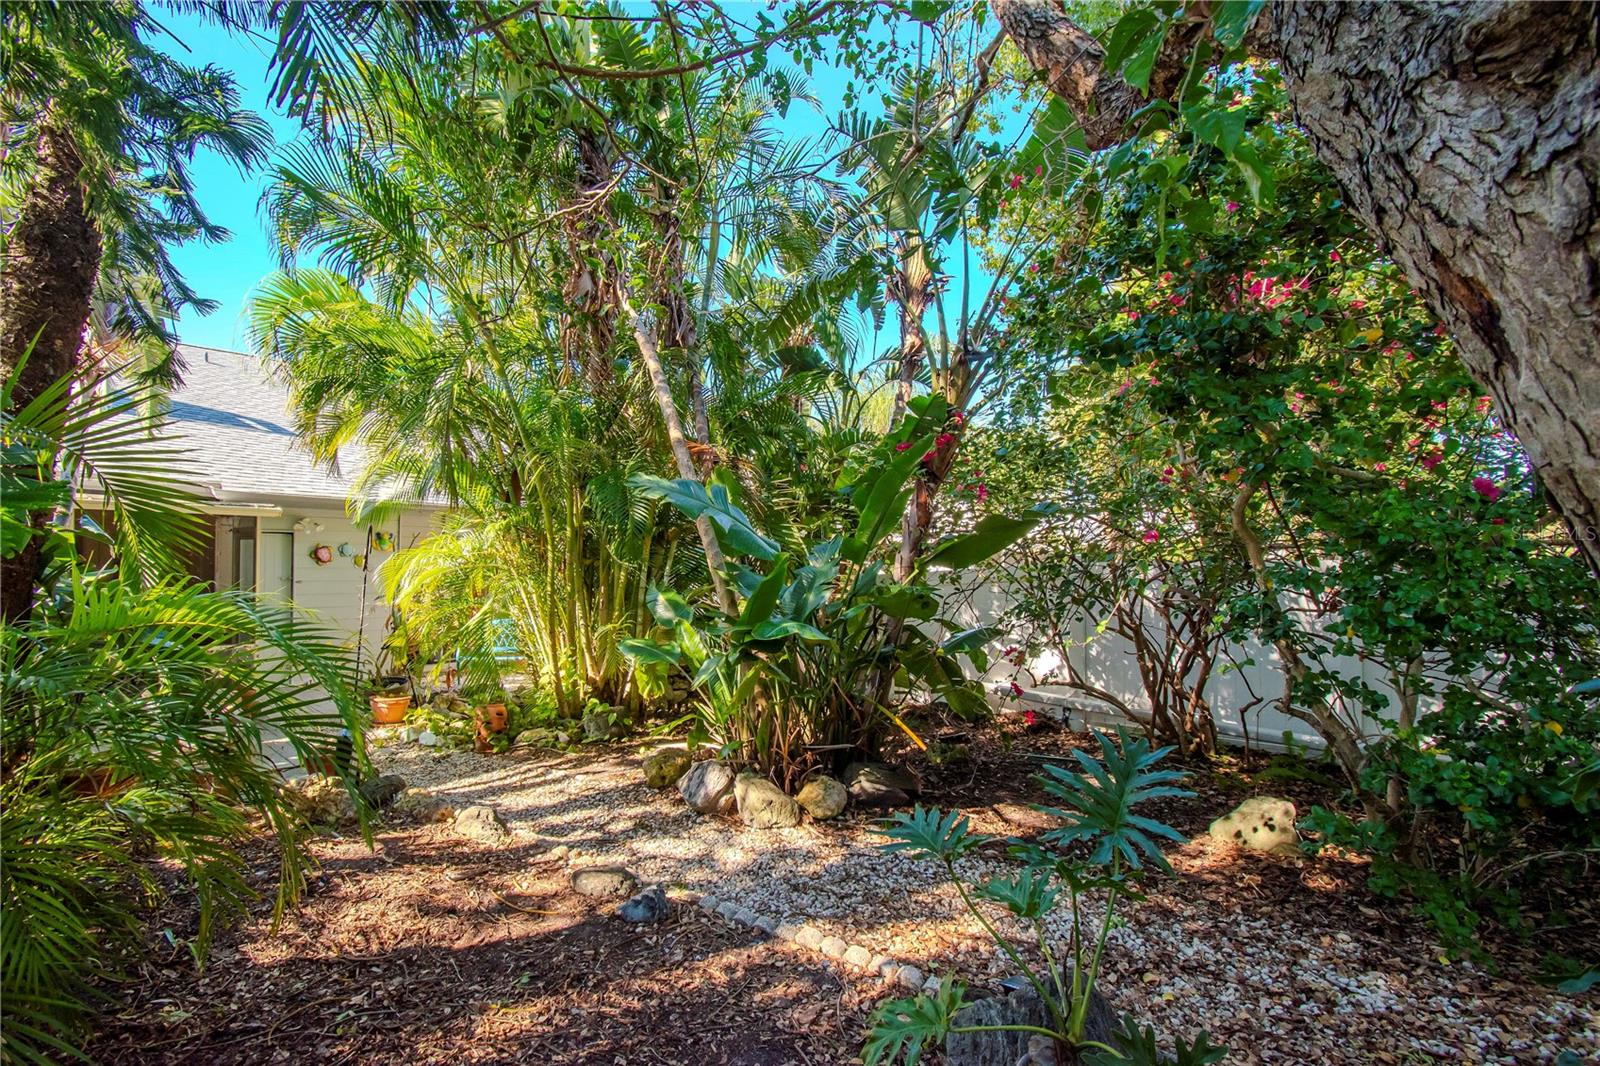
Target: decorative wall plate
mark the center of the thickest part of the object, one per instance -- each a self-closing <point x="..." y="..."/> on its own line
<point x="321" y="554"/>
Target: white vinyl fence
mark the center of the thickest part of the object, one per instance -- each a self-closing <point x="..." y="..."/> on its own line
<point x="1243" y="698"/>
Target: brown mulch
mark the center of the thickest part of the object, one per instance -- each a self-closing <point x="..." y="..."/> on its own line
<point x="450" y="952"/>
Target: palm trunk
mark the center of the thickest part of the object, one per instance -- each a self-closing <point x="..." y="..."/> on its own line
<point x="52" y="259"/>
<point x="1465" y="135"/>
<point x="644" y="334"/>
<point x="911" y="288"/>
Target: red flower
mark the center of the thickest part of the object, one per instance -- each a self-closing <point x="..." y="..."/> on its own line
<point x="1016" y="181"/>
<point x="983" y="493"/>
<point x="1016" y="689"/>
<point x="1497" y="521"/>
<point x="943" y="440"/>
<point x="1486" y="488"/>
<point x="1038" y="171"/>
<point x="1029" y="719"/>
<point x="1333" y="257"/>
<point x="1232" y="206"/>
<point x="1150" y="536"/>
<point x="904" y="445"/>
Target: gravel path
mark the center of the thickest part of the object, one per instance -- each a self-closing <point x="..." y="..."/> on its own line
<point x="1277" y="983"/>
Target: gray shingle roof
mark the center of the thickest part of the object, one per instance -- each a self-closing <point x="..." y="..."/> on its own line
<point x="234" y="419"/>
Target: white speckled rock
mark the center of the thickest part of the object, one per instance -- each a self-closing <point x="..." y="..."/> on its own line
<point x="833" y="947"/>
<point x="809" y="936"/>
<point x="858" y="956"/>
<point x="788" y="931"/>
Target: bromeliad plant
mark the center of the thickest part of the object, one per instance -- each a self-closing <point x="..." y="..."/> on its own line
<point x="1101" y="846"/>
<point x="824" y="636"/>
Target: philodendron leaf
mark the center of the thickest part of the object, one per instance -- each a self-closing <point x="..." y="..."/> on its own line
<point x="930" y="831"/>
<point x="903" y="1029"/>
<point x="991" y="536"/>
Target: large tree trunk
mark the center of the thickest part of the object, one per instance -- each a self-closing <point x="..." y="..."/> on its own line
<point x="51" y="261"/>
<point x="1467" y="137"/>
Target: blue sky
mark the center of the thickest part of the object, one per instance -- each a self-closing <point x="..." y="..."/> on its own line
<point x="229" y="272"/>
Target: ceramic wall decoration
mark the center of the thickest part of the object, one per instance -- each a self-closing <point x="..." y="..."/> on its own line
<point x="321" y="554"/>
<point x="361" y="562"/>
<point x="345" y="551"/>
<point x="383" y="540"/>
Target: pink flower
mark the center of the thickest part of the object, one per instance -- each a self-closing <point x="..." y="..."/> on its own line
<point x="1029" y="719"/>
<point x="943" y="440"/>
<point x="1150" y="536"/>
<point x="1033" y="268"/>
<point x="1016" y="181"/>
<point x="1486" y="488"/>
<point x="1497" y="521"/>
<point x="1038" y="171"/>
<point x="1232" y="206"/>
<point x="1016" y="689"/>
<point x="1432" y="459"/>
<point x="1333" y="257"/>
<point x="1380" y="467"/>
<point x="1358" y="304"/>
<point x="1126" y="385"/>
<point x="1009" y="652"/>
<point x="1484" y="402"/>
<point x="983" y="493"/>
<point x="903" y="446"/>
<point x="1175" y="300"/>
<point x="927" y="457"/>
<point x="1133" y="316"/>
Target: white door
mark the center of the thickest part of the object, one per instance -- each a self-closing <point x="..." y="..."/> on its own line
<point x="275" y="581"/>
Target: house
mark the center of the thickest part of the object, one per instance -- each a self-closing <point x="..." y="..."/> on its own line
<point x="277" y="522"/>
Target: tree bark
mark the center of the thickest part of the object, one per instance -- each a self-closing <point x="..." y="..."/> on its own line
<point x="1467" y="138"/>
<point x="650" y="352"/>
<point x="52" y="259"/>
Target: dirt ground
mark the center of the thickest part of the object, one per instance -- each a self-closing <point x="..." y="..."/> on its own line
<point x="432" y="949"/>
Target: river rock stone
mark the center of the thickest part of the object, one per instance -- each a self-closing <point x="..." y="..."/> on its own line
<point x="599" y="725"/>
<point x="603" y="881"/>
<point x="1260" y="823"/>
<point x="822" y="796"/>
<point x="707" y="787"/>
<point x="873" y="784"/>
<point x="663" y="768"/>
<point x="648" y="905"/>
<point x="481" y="823"/>
<point x="763" y="805"/>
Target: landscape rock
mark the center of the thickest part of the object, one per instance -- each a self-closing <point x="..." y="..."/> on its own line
<point x="320" y="800"/>
<point x="423" y="805"/>
<point x="1008" y="1047"/>
<point x="427" y="739"/>
<point x="822" y="796"/>
<point x="763" y="805"/>
<point x="663" y="768"/>
<point x="874" y="784"/>
<point x="380" y="792"/>
<point x="648" y="905"/>
<point x="707" y="787"/>
<point x="603" y="882"/>
<point x="1260" y="823"/>
<point x="599" y="725"/>
<point x="481" y="823"/>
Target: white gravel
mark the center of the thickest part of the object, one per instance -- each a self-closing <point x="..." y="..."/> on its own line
<point x="1275" y="988"/>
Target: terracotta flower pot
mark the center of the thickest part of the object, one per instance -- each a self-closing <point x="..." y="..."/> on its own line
<point x="494" y="717"/>
<point x="389" y="710"/>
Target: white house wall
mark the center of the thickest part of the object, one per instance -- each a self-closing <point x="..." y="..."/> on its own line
<point x="332" y="594"/>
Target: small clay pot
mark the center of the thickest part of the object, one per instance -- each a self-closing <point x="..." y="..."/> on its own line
<point x="494" y="717"/>
<point x="389" y="710"/>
